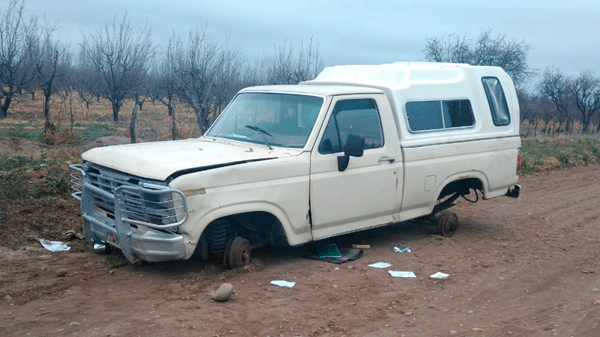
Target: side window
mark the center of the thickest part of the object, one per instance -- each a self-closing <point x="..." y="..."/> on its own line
<point x="457" y="113"/>
<point x="497" y="101"/>
<point x="439" y="114"/>
<point x="357" y="116"/>
<point x="425" y="115"/>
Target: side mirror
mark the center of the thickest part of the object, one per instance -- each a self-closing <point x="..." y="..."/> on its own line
<point x="355" y="147"/>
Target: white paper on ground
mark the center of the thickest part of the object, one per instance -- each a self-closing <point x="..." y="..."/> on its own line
<point x="439" y="275"/>
<point x="401" y="250"/>
<point x="54" y="246"/>
<point x="380" y="265"/>
<point x="283" y="283"/>
<point x="403" y="274"/>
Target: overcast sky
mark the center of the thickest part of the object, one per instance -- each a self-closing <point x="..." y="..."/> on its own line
<point x="562" y="33"/>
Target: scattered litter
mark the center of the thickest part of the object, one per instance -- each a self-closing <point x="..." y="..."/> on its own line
<point x="330" y="250"/>
<point x="587" y="271"/>
<point x="71" y="235"/>
<point x="402" y="274"/>
<point x="380" y="265"/>
<point x="401" y="250"/>
<point x="439" y="275"/>
<point x="54" y="246"/>
<point x="283" y="283"/>
<point x="345" y="255"/>
<point x="355" y="246"/>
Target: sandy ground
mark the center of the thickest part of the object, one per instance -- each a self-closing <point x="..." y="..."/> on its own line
<point x="518" y="267"/>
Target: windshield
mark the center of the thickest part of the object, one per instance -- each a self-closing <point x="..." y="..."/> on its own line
<point x="266" y="118"/>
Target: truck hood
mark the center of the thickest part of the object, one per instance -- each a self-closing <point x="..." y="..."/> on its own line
<point x="159" y="160"/>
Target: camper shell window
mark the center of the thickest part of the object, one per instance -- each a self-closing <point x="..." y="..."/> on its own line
<point x="439" y="114"/>
<point x="497" y="101"/>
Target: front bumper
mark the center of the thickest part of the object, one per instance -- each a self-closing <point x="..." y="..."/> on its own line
<point x="133" y="226"/>
<point x="136" y="245"/>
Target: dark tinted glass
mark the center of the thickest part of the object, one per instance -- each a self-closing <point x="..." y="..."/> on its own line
<point x="426" y="115"/>
<point x="497" y="101"/>
<point x="457" y="113"/>
<point x="359" y="117"/>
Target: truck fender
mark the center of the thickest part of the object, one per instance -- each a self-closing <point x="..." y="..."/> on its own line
<point x="199" y="224"/>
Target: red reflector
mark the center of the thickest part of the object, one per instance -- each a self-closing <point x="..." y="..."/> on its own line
<point x="519" y="161"/>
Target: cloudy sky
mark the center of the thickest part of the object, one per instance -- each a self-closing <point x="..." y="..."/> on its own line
<point x="565" y="34"/>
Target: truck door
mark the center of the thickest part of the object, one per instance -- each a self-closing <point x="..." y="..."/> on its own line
<point x="365" y="193"/>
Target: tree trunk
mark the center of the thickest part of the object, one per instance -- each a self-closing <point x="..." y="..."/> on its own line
<point x="72" y="115"/>
<point x="132" y="122"/>
<point x="172" y="114"/>
<point x="116" y="107"/>
<point x="202" y="119"/>
<point x="4" y="107"/>
<point x="47" y="107"/>
<point x="586" y="123"/>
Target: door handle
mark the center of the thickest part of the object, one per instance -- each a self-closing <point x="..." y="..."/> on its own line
<point x="386" y="158"/>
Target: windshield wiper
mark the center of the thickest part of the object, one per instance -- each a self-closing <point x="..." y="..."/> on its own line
<point x="262" y="133"/>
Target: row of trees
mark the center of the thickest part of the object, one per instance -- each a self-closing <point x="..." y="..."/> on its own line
<point x="558" y="100"/>
<point x="121" y="62"/>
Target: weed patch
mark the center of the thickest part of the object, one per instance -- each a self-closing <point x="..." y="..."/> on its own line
<point x="539" y="155"/>
<point x="27" y="177"/>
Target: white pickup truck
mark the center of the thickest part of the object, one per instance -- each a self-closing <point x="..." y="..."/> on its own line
<point x="356" y="148"/>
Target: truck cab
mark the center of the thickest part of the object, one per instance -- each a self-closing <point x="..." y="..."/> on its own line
<point x="357" y="147"/>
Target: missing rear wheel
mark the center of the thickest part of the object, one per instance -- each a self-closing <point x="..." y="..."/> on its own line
<point x="447" y="224"/>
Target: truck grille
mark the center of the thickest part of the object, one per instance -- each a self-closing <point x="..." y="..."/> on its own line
<point x="136" y="201"/>
<point x="107" y="180"/>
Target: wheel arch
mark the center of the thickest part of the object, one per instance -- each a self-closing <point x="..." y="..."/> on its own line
<point x="271" y="219"/>
<point x="464" y="180"/>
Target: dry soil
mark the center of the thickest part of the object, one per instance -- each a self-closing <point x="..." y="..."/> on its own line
<point x="518" y="267"/>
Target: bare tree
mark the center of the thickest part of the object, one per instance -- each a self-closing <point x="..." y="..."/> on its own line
<point x="51" y="68"/>
<point x="120" y="55"/>
<point x="230" y="78"/>
<point x="485" y="50"/>
<point x="196" y="69"/>
<point x="137" y="103"/>
<point x="586" y="93"/>
<point x="557" y="86"/>
<point x="166" y="85"/>
<point x="287" y="66"/>
<point x="18" y="38"/>
<point x="529" y="113"/>
<point x="84" y="78"/>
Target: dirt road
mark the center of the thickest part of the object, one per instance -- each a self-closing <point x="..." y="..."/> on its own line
<point x="526" y="267"/>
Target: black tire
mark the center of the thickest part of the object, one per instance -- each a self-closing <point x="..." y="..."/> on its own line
<point x="238" y="254"/>
<point x="447" y="224"/>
